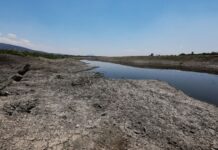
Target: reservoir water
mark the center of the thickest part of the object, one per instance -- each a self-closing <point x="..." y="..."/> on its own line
<point x="202" y="86"/>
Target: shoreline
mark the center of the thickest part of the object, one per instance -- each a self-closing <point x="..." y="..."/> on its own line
<point x="59" y="105"/>
<point x="162" y="62"/>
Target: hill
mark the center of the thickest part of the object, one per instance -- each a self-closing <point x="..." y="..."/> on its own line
<point x="4" y="46"/>
<point x="22" y="51"/>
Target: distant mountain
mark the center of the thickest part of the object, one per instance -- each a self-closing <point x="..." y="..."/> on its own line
<point x="4" y="46"/>
<point x="22" y="51"/>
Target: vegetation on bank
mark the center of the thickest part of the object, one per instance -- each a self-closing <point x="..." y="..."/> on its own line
<point x="182" y="57"/>
<point x="34" y="54"/>
<point x="152" y="57"/>
<point x="205" y="62"/>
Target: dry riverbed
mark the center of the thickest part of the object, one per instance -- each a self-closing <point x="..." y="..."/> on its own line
<point x="57" y="104"/>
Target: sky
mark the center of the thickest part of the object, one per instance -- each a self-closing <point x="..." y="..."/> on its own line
<point x="111" y="27"/>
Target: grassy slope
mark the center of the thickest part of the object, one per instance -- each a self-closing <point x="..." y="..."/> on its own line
<point x="34" y="54"/>
<point x="166" y="58"/>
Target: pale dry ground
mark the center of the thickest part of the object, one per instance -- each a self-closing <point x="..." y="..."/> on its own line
<point x="57" y="105"/>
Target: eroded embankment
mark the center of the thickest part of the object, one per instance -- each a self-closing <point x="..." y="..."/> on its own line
<point x="57" y="105"/>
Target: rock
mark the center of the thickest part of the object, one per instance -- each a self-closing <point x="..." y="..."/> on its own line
<point x="16" y="78"/>
<point x="97" y="106"/>
<point x="104" y="114"/>
<point x="25" y="69"/>
<point x="212" y="131"/>
<point x="19" y="106"/>
<point x="59" y="77"/>
<point x="81" y="81"/>
<point x="98" y="75"/>
<point x="215" y="145"/>
<point x="4" y="93"/>
<point x="144" y="129"/>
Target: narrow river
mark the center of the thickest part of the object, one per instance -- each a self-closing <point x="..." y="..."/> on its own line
<point x="202" y="86"/>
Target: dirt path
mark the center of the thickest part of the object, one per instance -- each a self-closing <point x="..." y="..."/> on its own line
<point x="57" y="105"/>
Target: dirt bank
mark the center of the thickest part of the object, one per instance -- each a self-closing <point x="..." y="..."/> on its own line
<point x="199" y="63"/>
<point x="58" y="105"/>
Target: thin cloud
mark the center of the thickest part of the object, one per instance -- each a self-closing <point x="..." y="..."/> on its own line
<point x="12" y="38"/>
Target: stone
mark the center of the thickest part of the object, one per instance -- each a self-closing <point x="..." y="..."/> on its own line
<point x="16" y="78"/>
<point x="19" y="106"/>
<point x="25" y="69"/>
<point x="4" y="93"/>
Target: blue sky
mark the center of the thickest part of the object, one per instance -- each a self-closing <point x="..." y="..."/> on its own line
<point x="111" y="27"/>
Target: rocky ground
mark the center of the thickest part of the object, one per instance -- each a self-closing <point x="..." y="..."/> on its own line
<point x="57" y="104"/>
